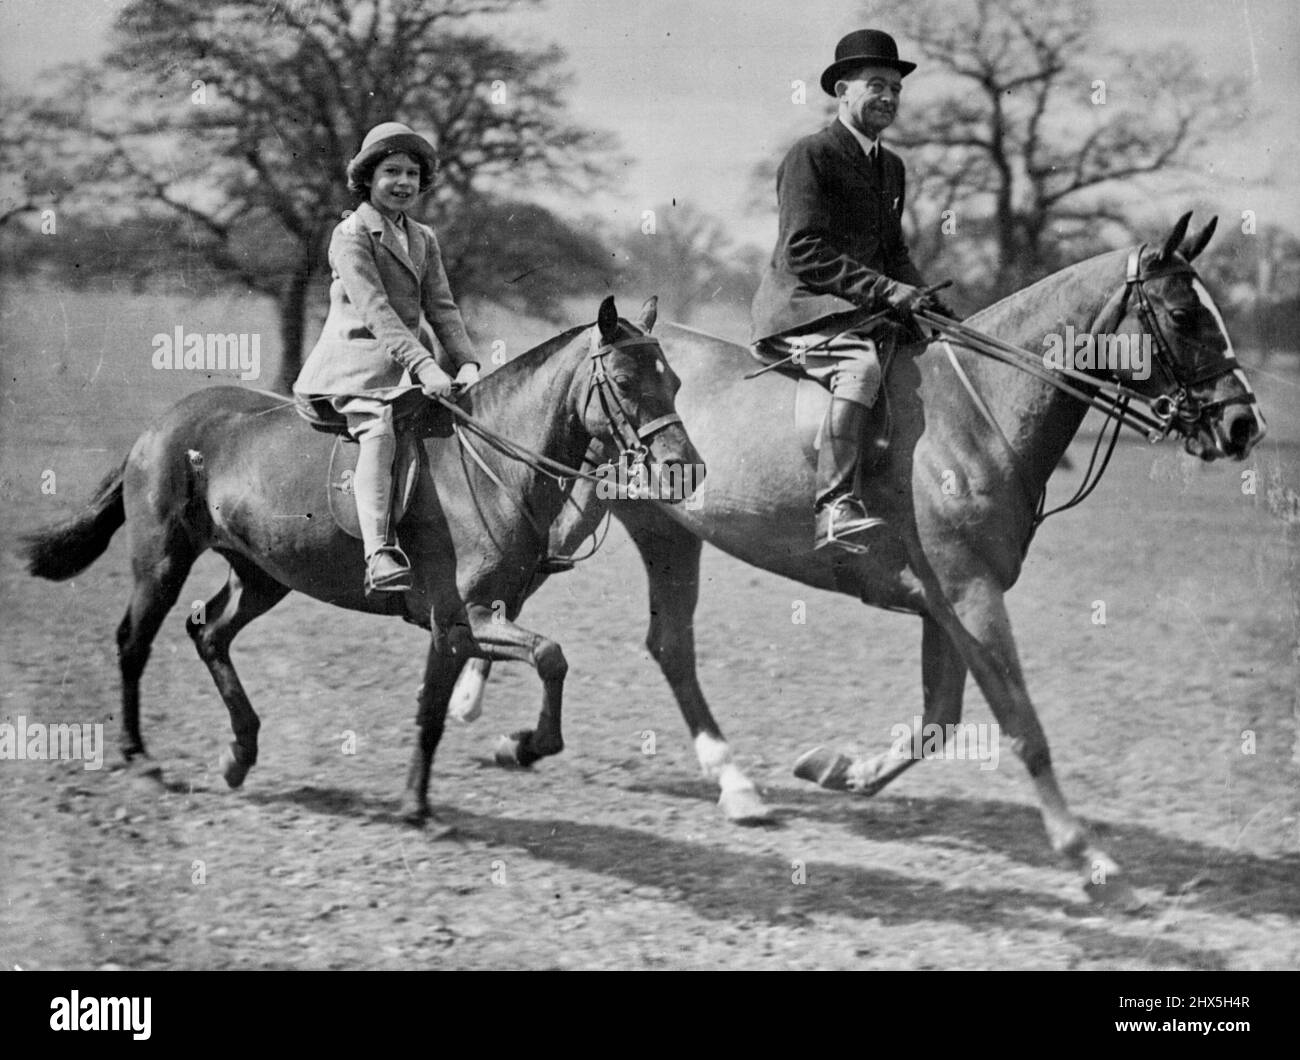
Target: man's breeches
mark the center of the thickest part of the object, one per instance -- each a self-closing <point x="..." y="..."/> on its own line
<point x="846" y="361"/>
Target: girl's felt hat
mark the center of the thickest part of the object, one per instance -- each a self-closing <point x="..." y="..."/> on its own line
<point x="388" y="138"/>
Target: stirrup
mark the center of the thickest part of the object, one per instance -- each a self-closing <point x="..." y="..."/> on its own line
<point x="395" y="581"/>
<point x="555" y="565"/>
<point x="842" y="525"/>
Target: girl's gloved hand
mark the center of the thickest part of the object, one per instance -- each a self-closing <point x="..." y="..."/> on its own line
<point x="434" y="381"/>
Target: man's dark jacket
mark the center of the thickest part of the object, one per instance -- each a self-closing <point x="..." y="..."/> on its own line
<point x="840" y="245"/>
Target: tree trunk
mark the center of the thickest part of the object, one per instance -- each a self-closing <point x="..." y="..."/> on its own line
<point x="292" y="304"/>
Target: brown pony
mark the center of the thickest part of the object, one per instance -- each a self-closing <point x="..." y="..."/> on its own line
<point x="239" y="472"/>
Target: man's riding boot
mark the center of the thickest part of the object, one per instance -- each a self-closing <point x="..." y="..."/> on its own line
<point x="387" y="568"/>
<point x="840" y="512"/>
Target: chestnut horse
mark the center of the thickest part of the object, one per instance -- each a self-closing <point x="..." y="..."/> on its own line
<point x="950" y="556"/>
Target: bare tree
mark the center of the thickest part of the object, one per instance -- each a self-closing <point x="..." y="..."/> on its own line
<point x="230" y="122"/>
<point x="1026" y="127"/>
<point x="686" y="256"/>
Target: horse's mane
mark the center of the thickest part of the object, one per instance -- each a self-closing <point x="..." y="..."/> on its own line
<point x="502" y="382"/>
<point x="528" y="359"/>
<point x="1051" y="280"/>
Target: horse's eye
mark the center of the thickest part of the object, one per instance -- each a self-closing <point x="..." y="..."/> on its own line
<point x="1182" y="317"/>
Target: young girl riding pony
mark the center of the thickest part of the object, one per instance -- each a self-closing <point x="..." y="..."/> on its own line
<point x="387" y="269"/>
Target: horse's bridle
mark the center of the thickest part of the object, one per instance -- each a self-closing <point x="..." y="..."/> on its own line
<point x="632" y="438"/>
<point x="1176" y="406"/>
<point x="1177" y="403"/>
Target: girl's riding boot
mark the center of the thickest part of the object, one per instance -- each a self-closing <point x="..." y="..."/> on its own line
<point x="387" y="568"/>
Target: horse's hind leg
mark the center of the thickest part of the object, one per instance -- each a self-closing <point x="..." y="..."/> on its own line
<point x="248" y="592"/>
<point x="671" y="555"/>
<point x="943" y="678"/>
<point x="448" y="653"/>
<point x="160" y="562"/>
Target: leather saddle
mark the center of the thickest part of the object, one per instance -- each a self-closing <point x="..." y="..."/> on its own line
<point x="811" y="400"/>
<point x="415" y="418"/>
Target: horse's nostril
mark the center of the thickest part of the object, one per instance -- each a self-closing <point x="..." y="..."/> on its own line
<point x="1240" y="431"/>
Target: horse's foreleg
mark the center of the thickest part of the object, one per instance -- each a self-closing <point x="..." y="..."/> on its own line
<point x="671" y="555"/>
<point x="448" y="653"/>
<point x="248" y="593"/>
<point x="943" y="678"/>
<point x="500" y="638"/>
<point x="981" y="631"/>
<point x="467" y="697"/>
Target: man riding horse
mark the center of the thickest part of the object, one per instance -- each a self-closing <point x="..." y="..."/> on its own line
<point x="840" y="259"/>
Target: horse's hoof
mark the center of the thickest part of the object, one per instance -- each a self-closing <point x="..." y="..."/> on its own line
<point x="232" y="769"/>
<point x="413" y="811"/>
<point x="507" y="753"/>
<point x="828" y="768"/>
<point x="147" y="777"/>
<point x="744" y="806"/>
<point x="1114" y="895"/>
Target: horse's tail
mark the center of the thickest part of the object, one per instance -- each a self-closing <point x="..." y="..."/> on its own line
<point x="59" y="552"/>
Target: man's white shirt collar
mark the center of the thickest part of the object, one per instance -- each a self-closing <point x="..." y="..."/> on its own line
<point x="868" y="146"/>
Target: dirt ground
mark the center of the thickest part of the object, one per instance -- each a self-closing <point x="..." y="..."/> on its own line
<point x="607" y="857"/>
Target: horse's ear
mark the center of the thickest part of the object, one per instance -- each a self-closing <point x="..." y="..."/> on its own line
<point x="1194" y="246"/>
<point x="1175" y="238"/>
<point x="649" y="314"/>
<point x="607" y="321"/>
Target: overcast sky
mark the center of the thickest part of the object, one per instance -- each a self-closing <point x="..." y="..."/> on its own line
<point x="699" y="92"/>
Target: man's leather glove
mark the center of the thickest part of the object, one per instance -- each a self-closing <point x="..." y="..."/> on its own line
<point x="902" y="299"/>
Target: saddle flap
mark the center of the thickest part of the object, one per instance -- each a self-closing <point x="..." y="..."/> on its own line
<point x="342" y="467"/>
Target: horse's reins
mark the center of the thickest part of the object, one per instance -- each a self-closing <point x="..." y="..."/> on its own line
<point x="1154" y="424"/>
<point x="857" y="325"/>
<point x="632" y="438"/>
<point x="1164" y="408"/>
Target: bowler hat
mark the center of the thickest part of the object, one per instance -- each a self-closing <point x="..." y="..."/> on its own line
<point x="863" y="47"/>
<point x="390" y="138"/>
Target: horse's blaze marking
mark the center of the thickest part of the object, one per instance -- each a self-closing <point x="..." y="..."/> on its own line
<point x="1203" y="296"/>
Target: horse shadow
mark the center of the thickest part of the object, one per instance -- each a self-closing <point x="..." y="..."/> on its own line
<point x="1237" y="881"/>
<point x="740" y="887"/>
